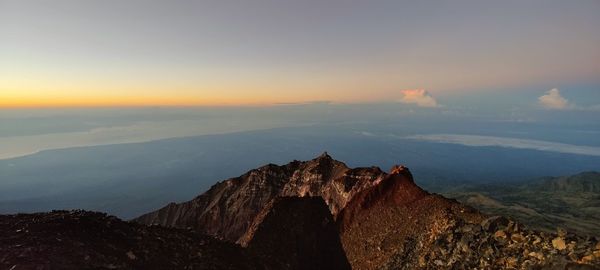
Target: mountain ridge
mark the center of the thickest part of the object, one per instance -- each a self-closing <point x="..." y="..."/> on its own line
<point x="316" y="214"/>
<point x="384" y="220"/>
<point x="227" y="209"/>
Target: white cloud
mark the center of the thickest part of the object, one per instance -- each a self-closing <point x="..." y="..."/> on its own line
<point x="553" y="100"/>
<point x="420" y="97"/>
<point x="476" y="140"/>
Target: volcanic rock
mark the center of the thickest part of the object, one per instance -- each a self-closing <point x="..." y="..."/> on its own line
<point x="89" y="240"/>
<point x="296" y="233"/>
<point x="228" y="208"/>
<point x="392" y="223"/>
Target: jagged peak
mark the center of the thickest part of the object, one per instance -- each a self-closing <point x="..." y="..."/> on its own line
<point x="323" y="156"/>
<point x="401" y="170"/>
<point x="396" y="189"/>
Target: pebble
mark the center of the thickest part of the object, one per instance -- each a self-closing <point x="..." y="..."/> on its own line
<point x="559" y="243"/>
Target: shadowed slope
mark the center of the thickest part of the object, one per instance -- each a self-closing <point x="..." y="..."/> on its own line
<point x="296" y="233"/>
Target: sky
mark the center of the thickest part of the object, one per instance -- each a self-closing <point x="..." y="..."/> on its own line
<point x="427" y="53"/>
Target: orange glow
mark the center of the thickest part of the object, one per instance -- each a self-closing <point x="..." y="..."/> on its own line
<point x="137" y="98"/>
<point x="42" y="91"/>
<point x="22" y="102"/>
<point x="68" y="93"/>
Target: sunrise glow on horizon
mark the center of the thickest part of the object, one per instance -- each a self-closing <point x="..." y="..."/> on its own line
<point x="73" y="53"/>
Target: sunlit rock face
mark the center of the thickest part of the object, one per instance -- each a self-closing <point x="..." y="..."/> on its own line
<point x="228" y="208"/>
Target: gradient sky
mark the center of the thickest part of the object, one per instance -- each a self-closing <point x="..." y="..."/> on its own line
<point x="258" y="52"/>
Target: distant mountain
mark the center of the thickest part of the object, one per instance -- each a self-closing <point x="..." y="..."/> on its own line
<point x="571" y="202"/>
<point x="588" y="182"/>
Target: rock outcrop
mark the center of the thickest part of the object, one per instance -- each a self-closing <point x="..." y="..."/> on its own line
<point x="228" y="208"/>
<point x="397" y="225"/>
<point x="396" y="220"/>
<point x="499" y="243"/>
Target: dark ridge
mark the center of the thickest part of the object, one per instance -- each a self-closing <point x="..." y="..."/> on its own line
<point x="89" y="240"/>
<point x="296" y="233"/>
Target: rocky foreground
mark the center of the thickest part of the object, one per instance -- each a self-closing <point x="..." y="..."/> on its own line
<point x="317" y="214"/>
<point x="88" y="240"/>
<point x="295" y="233"/>
<point x="499" y="243"/>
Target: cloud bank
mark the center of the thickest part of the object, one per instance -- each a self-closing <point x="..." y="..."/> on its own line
<point x="476" y="140"/>
<point x="16" y="146"/>
<point x="420" y="97"/>
<point x="553" y="100"/>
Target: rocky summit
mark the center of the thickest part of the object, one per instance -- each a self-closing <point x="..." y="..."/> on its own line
<point x="228" y="208"/>
<point x="316" y="214"/>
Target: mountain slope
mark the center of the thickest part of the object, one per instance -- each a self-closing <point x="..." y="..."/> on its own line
<point x="581" y="182"/>
<point x="397" y="225"/>
<point x="227" y="209"/>
<point x="88" y="240"/>
<point x="335" y="218"/>
<point x="384" y="220"/>
<point x="397" y="217"/>
<point x="292" y="233"/>
<point x="570" y="202"/>
<point x="300" y="227"/>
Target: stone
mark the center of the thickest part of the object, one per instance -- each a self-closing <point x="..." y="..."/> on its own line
<point x="494" y="223"/>
<point x="536" y="240"/>
<point x="571" y="246"/>
<point x="536" y="255"/>
<point x="587" y="259"/>
<point x="561" y="232"/>
<point x="511" y="262"/>
<point x="500" y="234"/>
<point x="559" y="243"/>
<point x="512" y="226"/>
<point x="517" y="237"/>
<point x="131" y="256"/>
